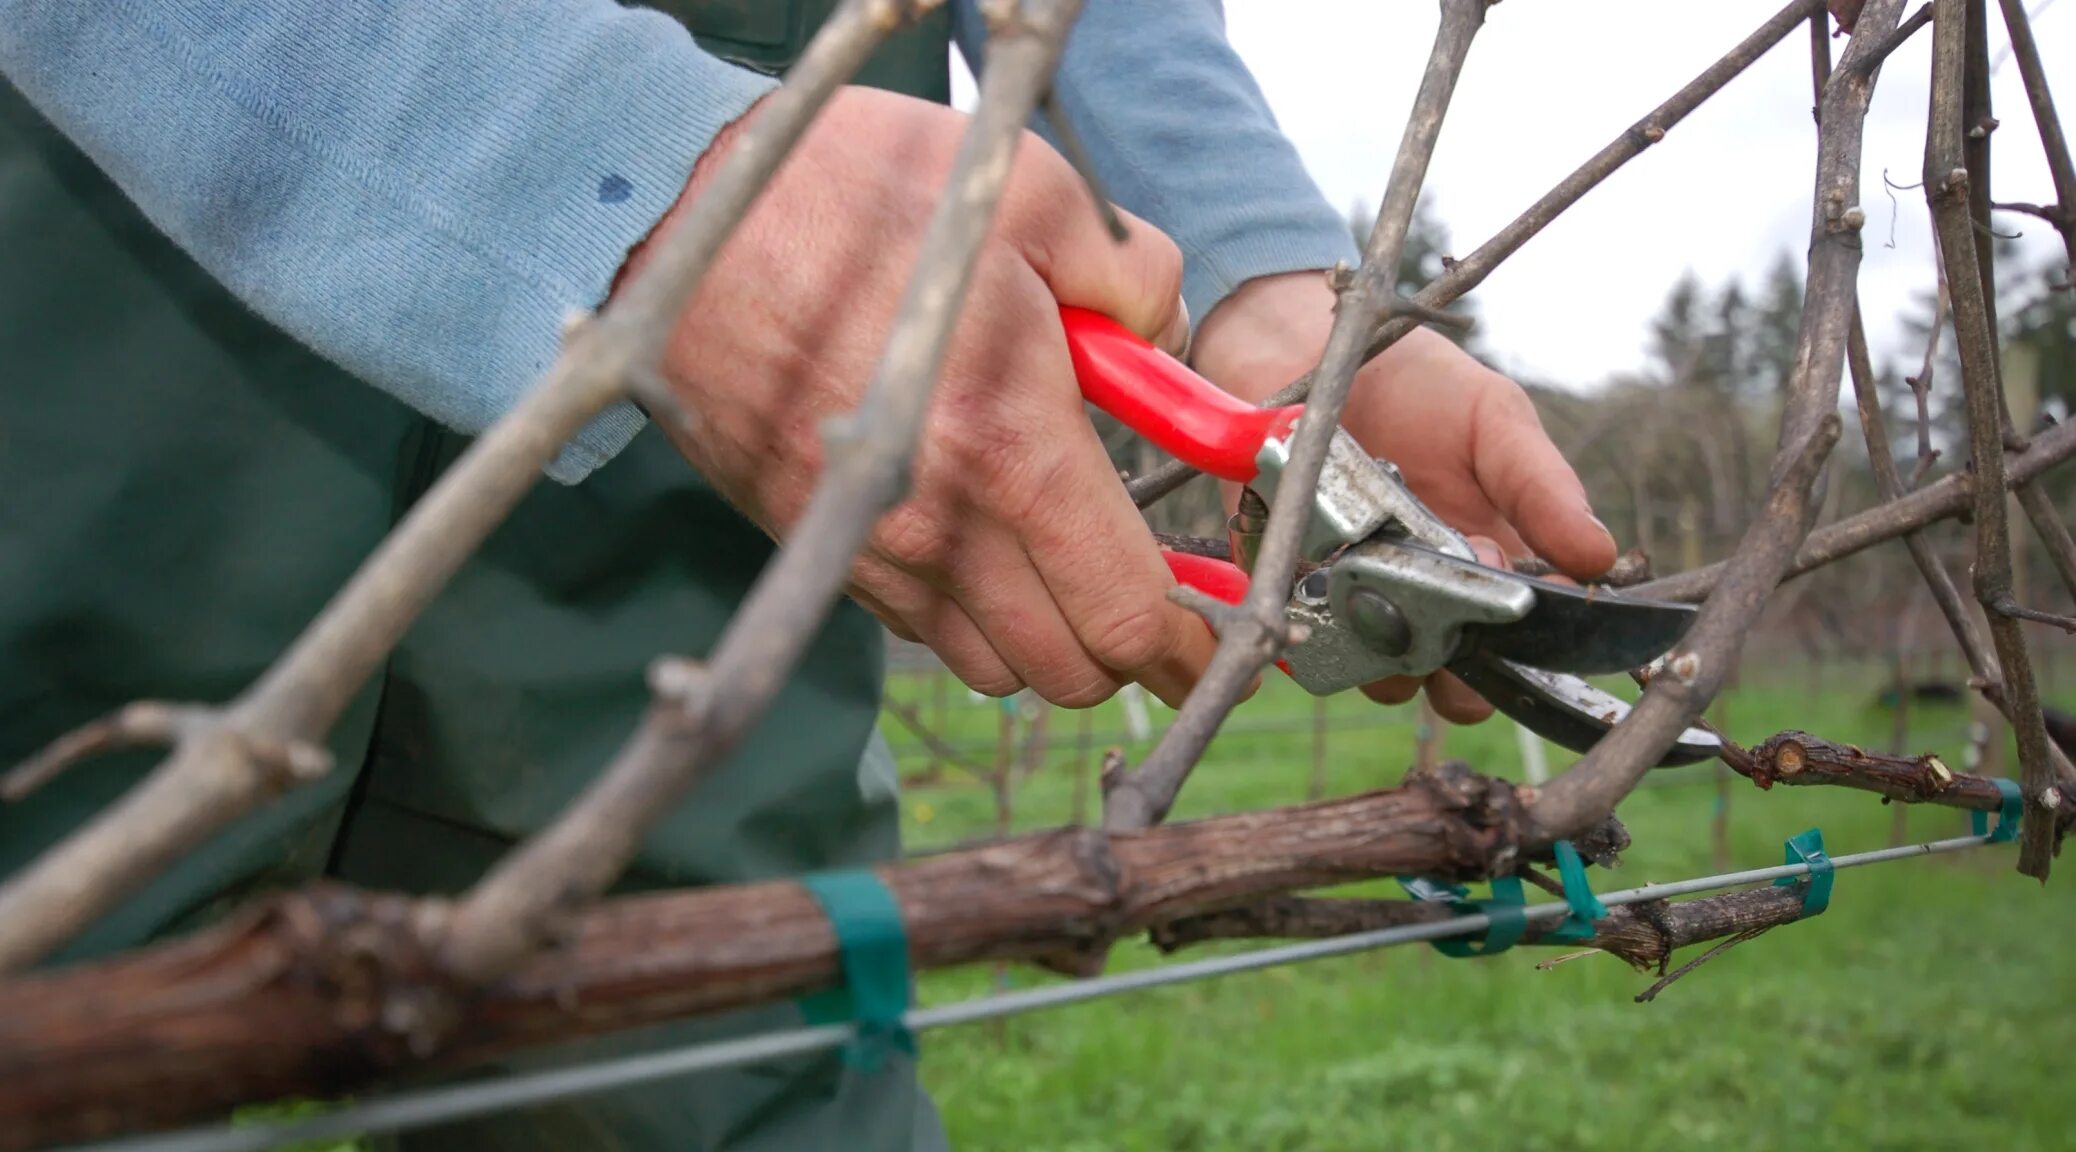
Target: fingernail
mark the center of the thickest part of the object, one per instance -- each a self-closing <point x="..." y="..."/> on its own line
<point x="1586" y="506"/>
<point x="1177" y="339"/>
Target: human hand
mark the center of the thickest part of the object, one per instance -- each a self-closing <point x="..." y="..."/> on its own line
<point x="1017" y="556"/>
<point x="1466" y="438"/>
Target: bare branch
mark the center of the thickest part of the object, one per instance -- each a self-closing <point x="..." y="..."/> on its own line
<point x="1471" y="271"/>
<point x="1947" y="186"/>
<point x="1799" y="759"/>
<point x="2010" y="607"/>
<point x="2049" y="212"/>
<point x="1701" y="663"/>
<point x="908" y="717"/>
<point x="145" y="724"/>
<point x="1889" y="485"/>
<point x="1644" y="936"/>
<point x="2052" y="142"/>
<point x="528" y="897"/>
<point x="1077" y="155"/>
<point x="2052" y="213"/>
<point x="315" y="993"/>
<point x="327" y="990"/>
<point x="210" y="782"/>
<point x="1631" y="569"/>
<point x="1981" y="658"/>
<point x="1425" y="314"/>
<point x="2052" y="531"/>
<point x="1942" y="500"/>
<point x="1921" y="384"/>
<point x="1216" y="547"/>
<point x="1253" y="639"/>
<point x="1903" y="32"/>
<point x="1748" y="934"/>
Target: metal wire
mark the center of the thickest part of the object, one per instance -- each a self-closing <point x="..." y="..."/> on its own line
<point x="441" y="1105"/>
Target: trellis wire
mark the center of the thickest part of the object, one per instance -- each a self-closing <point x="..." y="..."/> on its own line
<point x="441" y="1105"/>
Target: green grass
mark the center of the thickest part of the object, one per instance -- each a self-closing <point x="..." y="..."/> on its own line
<point x="1934" y="1005"/>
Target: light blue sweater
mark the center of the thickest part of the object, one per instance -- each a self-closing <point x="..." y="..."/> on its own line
<point x="421" y="189"/>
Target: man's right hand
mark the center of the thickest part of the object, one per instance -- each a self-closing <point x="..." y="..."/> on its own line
<point x="1017" y="557"/>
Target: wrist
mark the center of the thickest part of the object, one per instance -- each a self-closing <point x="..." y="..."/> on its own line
<point x="702" y="174"/>
<point x="1271" y="330"/>
<point x="1266" y="333"/>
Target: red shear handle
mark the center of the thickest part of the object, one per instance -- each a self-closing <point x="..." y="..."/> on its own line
<point x="1219" y="579"/>
<point x="1158" y="397"/>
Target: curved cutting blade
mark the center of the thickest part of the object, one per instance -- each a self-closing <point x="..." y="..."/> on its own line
<point x="1565" y="709"/>
<point x="1587" y="631"/>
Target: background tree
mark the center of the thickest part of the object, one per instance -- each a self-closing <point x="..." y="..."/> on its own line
<point x="1424" y="259"/>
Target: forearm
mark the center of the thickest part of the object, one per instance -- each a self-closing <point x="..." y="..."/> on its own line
<point x="1180" y="134"/>
<point x="419" y="190"/>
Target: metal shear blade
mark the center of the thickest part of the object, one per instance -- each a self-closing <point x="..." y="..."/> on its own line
<point x="1585" y="630"/>
<point x="1566" y="710"/>
<point x="1447" y="608"/>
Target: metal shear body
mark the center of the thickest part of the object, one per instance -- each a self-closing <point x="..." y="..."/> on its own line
<point x="1399" y="592"/>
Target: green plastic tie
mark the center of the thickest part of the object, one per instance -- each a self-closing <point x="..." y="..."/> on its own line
<point x="1505" y="910"/>
<point x="1586" y="908"/>
<point x="873" y="945"/>
<point x="2008" y="814"/>
<point x="1808" y="848"/>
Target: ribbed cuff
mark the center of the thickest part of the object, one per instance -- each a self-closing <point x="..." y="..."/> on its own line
<point x="674" y="99"/>
<point x="1209" y="277"/>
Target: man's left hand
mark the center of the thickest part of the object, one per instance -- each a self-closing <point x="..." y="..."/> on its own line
<point x="1466" y="438"/>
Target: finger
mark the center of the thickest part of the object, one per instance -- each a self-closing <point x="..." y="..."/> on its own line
<point x="1393" y="689"/>
<point x="1136" y="281"/>
<point x="1454" y="701"/>
<point x="1506" y="543"/>
<point x="1002" y="591"/>
<point x="885" y="615"/>
<point x="1175" y="338"/>
<point x="943" y="626"/>
<point x="1533" y="486"/>
<point x="1101" y="566"/>
<point x="1038" y="468"/>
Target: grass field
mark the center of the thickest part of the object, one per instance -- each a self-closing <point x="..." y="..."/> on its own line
<point x="1933" y="1006"/>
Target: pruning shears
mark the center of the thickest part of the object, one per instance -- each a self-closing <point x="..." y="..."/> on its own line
<point x="1395" y="590"/>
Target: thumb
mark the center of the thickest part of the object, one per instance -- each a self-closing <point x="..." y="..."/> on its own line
<point x="1136" y="281"/>
<point x="1533" y="486"/>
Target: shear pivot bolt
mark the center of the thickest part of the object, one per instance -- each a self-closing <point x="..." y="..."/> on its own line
<point x="1379" y="622"/>
<point x="1313" y="588"/>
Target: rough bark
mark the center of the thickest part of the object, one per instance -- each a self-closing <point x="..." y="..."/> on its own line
<point x="322" y="992"/>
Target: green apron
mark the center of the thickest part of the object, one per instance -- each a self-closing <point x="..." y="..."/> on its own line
<point x="186" y="485"/>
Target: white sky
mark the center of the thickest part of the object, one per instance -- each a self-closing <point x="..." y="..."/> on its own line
<point x="1549" y="83"/>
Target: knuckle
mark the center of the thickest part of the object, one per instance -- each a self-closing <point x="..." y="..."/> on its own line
<point x="1045" y="169"/>
<point x="1137" y="637"/>
<point x="1512" y="401"/>
<point x="1038" y="195"/>
<point x="1163" y="264"/>
<point x="915" y="539"/>
<point x="996" y="682"/>
<point x="1021" y="480"/>
<point x="1087" y="691"/>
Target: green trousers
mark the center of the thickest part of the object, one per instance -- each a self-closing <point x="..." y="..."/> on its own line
<point x="185" y="486"/>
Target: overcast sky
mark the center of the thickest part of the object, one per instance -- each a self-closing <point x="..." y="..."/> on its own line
<point x="1549" y="83"/>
